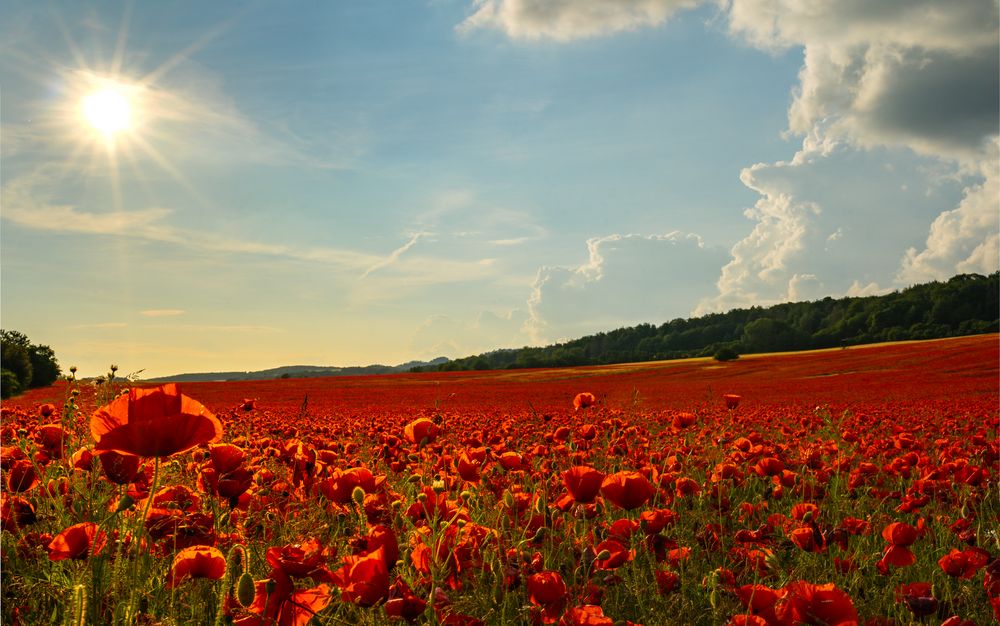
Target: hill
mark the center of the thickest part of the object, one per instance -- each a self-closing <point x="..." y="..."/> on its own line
<point x="967" y="304"/>
<point x="299" y="371"/>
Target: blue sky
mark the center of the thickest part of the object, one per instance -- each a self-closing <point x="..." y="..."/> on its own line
<point x="347" y="183"/>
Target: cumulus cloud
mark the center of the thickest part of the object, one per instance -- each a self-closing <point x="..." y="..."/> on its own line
<point x="626" y="279"/>
<point x="965" y="239"/>
<point x="919" y="75"/>
<point x="566" y="20"/>
<point x="825" y="225"/>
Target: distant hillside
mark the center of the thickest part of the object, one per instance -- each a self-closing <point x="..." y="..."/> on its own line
<point x="300" y="371"/>
<point x="967" y="304"/>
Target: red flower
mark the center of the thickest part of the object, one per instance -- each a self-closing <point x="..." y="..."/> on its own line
<point x="546" y="588"/>
<point x="79" y="541"/>
<point x="339" y="487"/>
<point x="900" y="534"/>
<point x="583" y="400"/>
<point x="22" y="476"/>
<point x="363" y="580"/>
<point x="153" y="422"/>
<point x="197" y="562"/>
<point x="919" y="598"/>
<point x="120" y="469"/>
<point x="277" y="603"/>
<point x="420" y="430"/>
<point x="628" y="490"/>
<point x="964" y="563"/>
<point x="586" y="615"/>
<point x="826" y="605"/>
<point x="403" y="602"/>
<point x="300" y="560"/>
<point x="667" y="581"/>
<point x="732" y="400"/>
<point x="583" y="482"/>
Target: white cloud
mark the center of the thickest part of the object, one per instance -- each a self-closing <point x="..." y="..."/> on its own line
<point x="963" y="240"/>
<point x="566" y="20"/>
<point x="394" y="255"/>
<point x="626" y="279"/>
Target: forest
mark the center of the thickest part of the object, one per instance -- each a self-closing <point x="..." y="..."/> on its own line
<point x="966" y="304"/>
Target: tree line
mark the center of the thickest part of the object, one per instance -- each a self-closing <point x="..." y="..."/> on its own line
<point x="966" y="304"/>
<point x="24" y="365"/>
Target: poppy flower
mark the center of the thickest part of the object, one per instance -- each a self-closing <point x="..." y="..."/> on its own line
<point x="667" y="581"/>
<point x="403" y="603"/>
<point x="546" y="588"/>
<point x="583" y="482"/>
<point x="340" y="487"/>
<point x="120" y="469"/>
<point x="421" y="430"/>
<point x="157" y="422"/>
<point x="807" y="603"/>
<point x="583" y="400"/>
<point x="732" y="400"/>
<point x="918" y="597"/>
<point x="586" y="615"/>
<point x="964" y="563"/>
<point x="46" y="410"/>
<point x="22" y="476"/>
<point x="363" y="580"/>
<point x="277" y="602"/>
<point x="197" y="562"/>
<point x="628" y="490"/>
<point x="900" y="534"/>
<point x="79" y="541"/>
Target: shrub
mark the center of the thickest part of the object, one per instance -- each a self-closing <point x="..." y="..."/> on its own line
<point x="726" y="354"/>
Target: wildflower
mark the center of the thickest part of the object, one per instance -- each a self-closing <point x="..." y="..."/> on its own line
<point x="583" y="400"/>
<point x="156" y="422"/>
<point x="583" y="482"/>
<point x="628" y="490"/>
<point x="197" y="562"/>
<point x="79" y="541"/>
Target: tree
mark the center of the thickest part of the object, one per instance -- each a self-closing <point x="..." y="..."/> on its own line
<point x="15" y="354"/>
<point x="25" y="365"/>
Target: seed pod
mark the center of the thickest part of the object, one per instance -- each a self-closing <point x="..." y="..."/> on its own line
<point x="245" y="591"/>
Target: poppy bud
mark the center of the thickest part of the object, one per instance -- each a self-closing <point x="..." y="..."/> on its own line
<point x="358" y="495"/>
<point x="438" y="486"/>
<point x="245" y="591"/>
<point x="466" y="495"/>
<point x="269" y="586"/>
<point x="124" y="503"/>
<point x="540" y="534"/>
<point x="603" y="555"/>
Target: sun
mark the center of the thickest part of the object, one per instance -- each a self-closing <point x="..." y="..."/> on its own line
<point x="108" y="111"/>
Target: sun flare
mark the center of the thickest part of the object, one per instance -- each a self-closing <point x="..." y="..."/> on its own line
<point x="108" y="111"/>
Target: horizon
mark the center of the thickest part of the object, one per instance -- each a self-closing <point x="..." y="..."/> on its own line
<point x="196" y="188"/>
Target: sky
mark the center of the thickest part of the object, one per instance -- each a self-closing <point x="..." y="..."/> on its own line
<point x="372" y="182"/>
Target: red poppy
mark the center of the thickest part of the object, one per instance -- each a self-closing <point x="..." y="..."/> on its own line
<point x="22" y="476"/>
<point x="583" y="482"/>
<point x="363" y="580"/>
<point x="153" y="422"/>
<point x="546" y="588"/>
<point x="197" y="562"/>
<point x="732" y="400"/>
<point x="120" y="469"/>
<point x="918" y="597"/>
<point x="421" y="430"/>
<point x="403" y="602"/>
<point x="667" y="581"/>
<point x="964" y="563"/>
<point x="586" y="615"/>
<point x="583" y="400"/>
<point x="340" y="487"/>
<point x="300" y="560"/>
<point x="79" y="541"/>
<point x="46" y="410"/>
<point x="277" y="603"/>
<point x="900" y="534"/>
<point x="826" y="605"/>
<point x="611" y="554"/>
<point x="628" y="490"/>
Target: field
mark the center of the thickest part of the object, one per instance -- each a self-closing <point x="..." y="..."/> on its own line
<point x="830" y="487"/>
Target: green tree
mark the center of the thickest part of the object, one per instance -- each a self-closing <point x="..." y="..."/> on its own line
<point x="15" y="354"/>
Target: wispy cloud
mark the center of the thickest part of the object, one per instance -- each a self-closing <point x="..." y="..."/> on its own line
<point x="394" y="255"/>
<point x="163" y="312"/>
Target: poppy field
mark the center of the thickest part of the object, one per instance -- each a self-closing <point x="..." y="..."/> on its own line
<point x="854" y="486"/>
